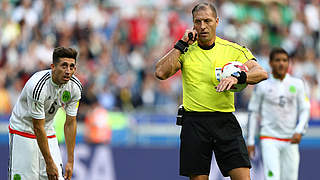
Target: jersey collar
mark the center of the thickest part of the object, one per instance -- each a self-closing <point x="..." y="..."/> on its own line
<point x="284" y="79"/>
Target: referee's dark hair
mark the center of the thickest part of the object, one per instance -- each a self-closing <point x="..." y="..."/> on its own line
<point x="204" y="5"/>
<point x="277" y="50"/>
<point x="62" y="52"/>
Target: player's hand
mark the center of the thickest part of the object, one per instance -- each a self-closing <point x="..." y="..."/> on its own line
<point x="296" y="138"/>
<point x="68" y="171"/>
<point x="251" y="151"/>
<point x="226" y="84"/>
<point x="187" y="36"/>
<point x="52" y="171"/>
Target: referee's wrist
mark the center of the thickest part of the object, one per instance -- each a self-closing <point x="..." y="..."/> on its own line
<point x="241" y="77"/>
<point x="182" y="46"/>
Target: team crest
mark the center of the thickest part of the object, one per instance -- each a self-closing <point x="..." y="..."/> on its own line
<point x="66" y="96"/>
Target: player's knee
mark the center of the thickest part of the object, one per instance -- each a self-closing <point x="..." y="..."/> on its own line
<point x="240" y="174"/>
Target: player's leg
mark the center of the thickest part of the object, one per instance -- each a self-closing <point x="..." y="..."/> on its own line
<point x="199" y="177"/>
<point x="230" y="148"/>
<point x="290" y="158"/>
<point x="195" y="148"/>
<point x="23" y="161"/>
<point x="240" y="174"/>
<point x="271" y="158"/>
<point x="56" y="156"/>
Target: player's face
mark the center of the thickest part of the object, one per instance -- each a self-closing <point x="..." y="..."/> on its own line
<point x="205" y="23"/>
<point x="279" y="65"/>
<point x="63" y="70"/>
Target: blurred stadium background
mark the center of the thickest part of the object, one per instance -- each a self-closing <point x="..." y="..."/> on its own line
<point x="119" y="43"/>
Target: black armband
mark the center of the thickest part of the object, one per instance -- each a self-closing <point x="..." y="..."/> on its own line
<point x="181" y="46"/>
<point x="241" y="76"/>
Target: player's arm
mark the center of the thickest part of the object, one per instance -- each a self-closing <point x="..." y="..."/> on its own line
<point x="254" y="108"/>
<point x="169" y="64"/>
<point x="304" y="113"/>
<point x="70" y="130"/>
<point x="256" y="73"/>
<point x="41" y="135"/>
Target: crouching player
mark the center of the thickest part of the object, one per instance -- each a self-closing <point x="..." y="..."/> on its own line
<point x="34" y="150"/>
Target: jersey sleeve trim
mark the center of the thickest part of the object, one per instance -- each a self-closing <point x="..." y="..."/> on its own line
<point x="39" y="86"/>
<point x="77" y="82"/>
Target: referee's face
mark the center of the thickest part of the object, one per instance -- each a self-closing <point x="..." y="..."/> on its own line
<point x="279" y="65"/>
<point x="63" y="70"/>
<point x="205" y="23"/>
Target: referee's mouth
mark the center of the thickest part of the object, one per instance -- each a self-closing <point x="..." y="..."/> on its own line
<point x="204" y="33"/>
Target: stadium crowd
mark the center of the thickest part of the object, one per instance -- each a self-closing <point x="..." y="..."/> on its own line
<point x="119" y="43"/>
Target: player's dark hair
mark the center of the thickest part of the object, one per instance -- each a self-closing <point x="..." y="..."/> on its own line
<point x="62" y="52"/>
<point x="277" y="50"/>
<point x="204" y="5"/>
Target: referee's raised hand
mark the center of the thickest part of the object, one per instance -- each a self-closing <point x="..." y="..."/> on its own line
<point x="190" y="36"/>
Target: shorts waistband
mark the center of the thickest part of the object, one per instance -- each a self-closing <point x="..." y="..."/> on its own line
<point x="274" y="138"/>
<point x="215" y="113"/>
<point x="25" y="134"/>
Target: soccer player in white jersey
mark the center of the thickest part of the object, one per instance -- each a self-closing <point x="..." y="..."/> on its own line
<point x="34" y="150"/>
<point x="283" y="107"/>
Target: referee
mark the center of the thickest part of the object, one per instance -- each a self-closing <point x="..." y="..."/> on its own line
<point x="208" y="122"/>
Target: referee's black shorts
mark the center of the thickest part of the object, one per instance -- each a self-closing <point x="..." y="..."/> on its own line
<point x="204" y="132"/>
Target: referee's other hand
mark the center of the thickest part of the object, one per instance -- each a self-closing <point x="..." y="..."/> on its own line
<point x="188" y="38"/>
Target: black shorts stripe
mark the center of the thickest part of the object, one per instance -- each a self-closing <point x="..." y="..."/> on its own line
<point x="78" y="83"/>
<point x="39" y="84"/>
<point x="42" y="84"/>
<point x="10" y="157"/>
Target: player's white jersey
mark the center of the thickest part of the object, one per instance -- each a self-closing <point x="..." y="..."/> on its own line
<point x="40" y="99"/>
<point x="280" y="104"/>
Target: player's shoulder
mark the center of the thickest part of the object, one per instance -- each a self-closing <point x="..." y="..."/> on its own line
<point x="39" y="79"/>
<point x="76" y="83"/>
<point x="36" y="83"/>
<point x="263" y="85"/>
<point x="295" y="80"/>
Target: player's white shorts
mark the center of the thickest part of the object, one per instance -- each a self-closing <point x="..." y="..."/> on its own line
<point x="26" y="161"/>
<point x="280" y="159"/>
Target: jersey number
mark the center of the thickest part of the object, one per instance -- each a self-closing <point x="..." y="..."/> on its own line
<point x="52" y="108"/>
<point x="282" y="101"/>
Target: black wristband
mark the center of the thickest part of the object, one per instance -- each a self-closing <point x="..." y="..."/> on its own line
<point x="241" y="76"/>
<point x="181" y="46"/>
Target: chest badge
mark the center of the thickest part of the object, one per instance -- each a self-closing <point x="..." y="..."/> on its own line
<point x="66" y="96"/>
<point x="292" y="89"/>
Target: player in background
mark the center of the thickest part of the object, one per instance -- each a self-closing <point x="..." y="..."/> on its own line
<point x="208" y="122"/>
<point x="280" y="101"/>
<point x="34" y="150"/>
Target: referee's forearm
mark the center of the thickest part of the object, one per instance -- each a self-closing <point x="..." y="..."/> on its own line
<point x="256" y="74"/>
<point x="168" y="65"/>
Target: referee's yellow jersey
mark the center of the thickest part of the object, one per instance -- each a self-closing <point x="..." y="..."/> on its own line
<point x="201" y="71"/>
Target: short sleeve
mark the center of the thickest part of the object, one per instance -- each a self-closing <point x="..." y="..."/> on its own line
<point x="245" y="55"/>
<point x="35" y="103"/>
<point x="72" y="106"/>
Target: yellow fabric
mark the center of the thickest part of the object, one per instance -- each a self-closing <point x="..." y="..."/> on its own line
<point x="201" y="70"/>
